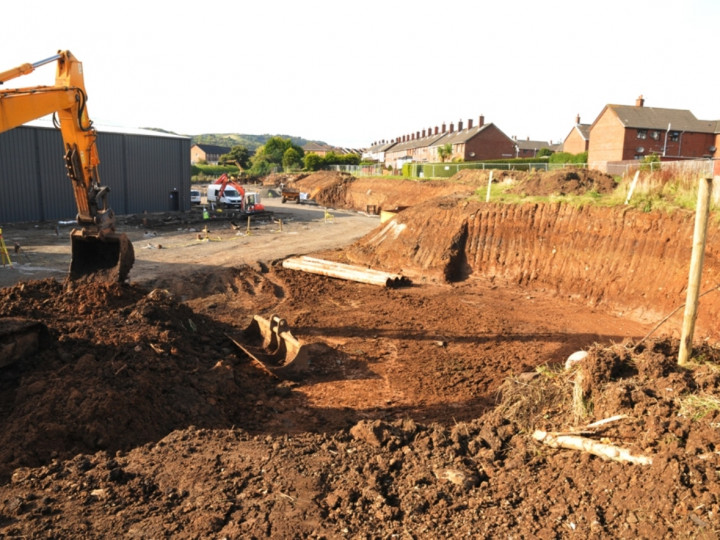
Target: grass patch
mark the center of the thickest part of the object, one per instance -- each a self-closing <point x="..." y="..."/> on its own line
<point x="698" y="406"/>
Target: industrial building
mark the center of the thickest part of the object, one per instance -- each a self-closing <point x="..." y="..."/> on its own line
<point x="145" y="171"/>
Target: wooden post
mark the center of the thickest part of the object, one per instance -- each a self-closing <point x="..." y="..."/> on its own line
<point x="696" y="263"/>
<point x="632" y="186"/>
<point x="487" y="198"/>
<point x="4" y="255"/>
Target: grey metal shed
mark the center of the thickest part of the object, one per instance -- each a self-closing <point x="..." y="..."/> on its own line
<point x="145" y="171"/>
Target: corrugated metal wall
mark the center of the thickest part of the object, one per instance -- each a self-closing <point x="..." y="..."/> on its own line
<point x="141" y="171"/>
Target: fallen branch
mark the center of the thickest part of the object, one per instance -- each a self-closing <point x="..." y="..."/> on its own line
<point x="591" y="429"/>
<point x="605" y="421"/>
<point x="603" y="450"/>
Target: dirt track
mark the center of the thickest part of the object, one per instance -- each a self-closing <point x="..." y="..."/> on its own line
<point x="139" y="417"/>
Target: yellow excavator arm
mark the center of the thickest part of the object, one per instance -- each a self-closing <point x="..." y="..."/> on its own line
<point x="96" y="246"/>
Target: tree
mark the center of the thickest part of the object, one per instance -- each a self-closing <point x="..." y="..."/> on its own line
<point x="274" y="149"/>
<point x="261" y="167"/>
<point x="445" y="151"/>
<point x="238" y="155"/>
<point x="291" y="159"/>
<point x="313" y="162"/>
<point x="271" y="155"/>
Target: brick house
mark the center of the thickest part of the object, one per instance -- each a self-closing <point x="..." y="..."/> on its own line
<point x="312" y="147"/>
<point x="413" y="147"/>
<point x="626" y="133"/>
<point x="209" y="153"/>
<point x="471" y="143"/>
<point x="476" y="143"/>
<point x="377" y="151"/>
<point x="578" y="139"/>
<point x="323" y="150"/>
<point x="528" y="148"/>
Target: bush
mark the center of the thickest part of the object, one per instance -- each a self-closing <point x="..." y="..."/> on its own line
<point x="261" y="167"/>
<point x="312" y="162"/>
<point x="544" y="152"/>
<point x="207" y="173"/>
<point x="567" y="157"/>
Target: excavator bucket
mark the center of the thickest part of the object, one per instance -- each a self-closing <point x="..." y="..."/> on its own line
<point x="271" y="344"/>
<point x="107" y="258"/>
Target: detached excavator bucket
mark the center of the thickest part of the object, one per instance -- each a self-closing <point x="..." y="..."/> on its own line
<point x="108" y="257"/>
<point x="272" y="345"/>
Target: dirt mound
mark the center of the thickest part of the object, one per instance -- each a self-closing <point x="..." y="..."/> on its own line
<point x="374" y="194"/>
<point x="564" y="182"/>
<point x="118" y="366"/>
<point x="541" y="183"/>
<point x="484" y="478"/>
<point x="480" y="177"/>
<point x="277" y="179"/>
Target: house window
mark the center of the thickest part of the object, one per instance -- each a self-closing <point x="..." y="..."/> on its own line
<point x="642" y="134"/>
<point x="655" y="135"/>
<point x="674" y="136"/>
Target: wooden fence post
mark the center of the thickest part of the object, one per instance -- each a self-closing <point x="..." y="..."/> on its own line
<point x="632" y="186"/>
<point x="702" y="212"/>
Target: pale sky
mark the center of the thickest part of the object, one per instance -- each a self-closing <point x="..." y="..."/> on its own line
<point x="351" y="73"/>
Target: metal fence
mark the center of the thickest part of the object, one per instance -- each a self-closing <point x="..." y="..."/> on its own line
<point x="358" y="170"/>
<point x="698" y="167"/>
<point x="446" y="170"/>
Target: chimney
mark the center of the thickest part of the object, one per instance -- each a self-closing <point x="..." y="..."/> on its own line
<point x="481" y="121"/>
<point x="459" y="125"/>
<point x="423" y="134"/>
<point x="452" y="127"/>
<point x="640" y="101"/>
<point x="418" y="135"/>
<point x="527" y="139"/>
<point x="469" y="123"/>
<point x="443" y="127"/>
<point x="577" y="119"/>
<point x="437" y="129"/>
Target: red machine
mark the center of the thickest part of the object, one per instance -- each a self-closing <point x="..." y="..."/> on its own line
<point x="227" y="192"/>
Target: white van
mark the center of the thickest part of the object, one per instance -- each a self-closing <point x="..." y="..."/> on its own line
<point x="231" y="196"/>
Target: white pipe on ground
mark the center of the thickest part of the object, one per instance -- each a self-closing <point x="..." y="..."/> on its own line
<point x="345" y="271"/>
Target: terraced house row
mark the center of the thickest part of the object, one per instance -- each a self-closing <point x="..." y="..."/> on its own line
<point x="620" y="134"/>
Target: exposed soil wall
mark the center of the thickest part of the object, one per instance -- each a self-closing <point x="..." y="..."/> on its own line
<point x="339" y="190"/>
<point x="625" y="260"/>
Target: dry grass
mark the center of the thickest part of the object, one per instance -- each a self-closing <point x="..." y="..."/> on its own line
<point x="665" y="189"/>
<point x="531" y="402"/>
<point x="698" y="406"/>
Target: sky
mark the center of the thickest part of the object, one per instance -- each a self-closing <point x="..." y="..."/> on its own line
<point x="352" y="73"/>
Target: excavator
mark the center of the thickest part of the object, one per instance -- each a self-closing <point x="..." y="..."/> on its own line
<point x="98" y="251"/>
<point x="247" y="201"/>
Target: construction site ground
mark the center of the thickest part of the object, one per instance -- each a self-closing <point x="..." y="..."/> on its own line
<point x="138" y="416"/>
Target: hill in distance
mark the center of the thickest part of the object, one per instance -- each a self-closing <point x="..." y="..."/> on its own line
<point x="251" y="142"/>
